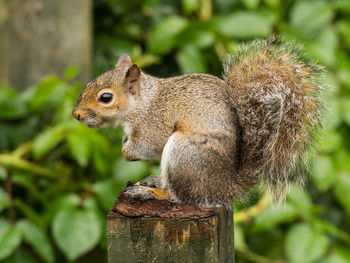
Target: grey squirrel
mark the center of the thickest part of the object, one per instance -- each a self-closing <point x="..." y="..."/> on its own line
<point x="216" y="138"/>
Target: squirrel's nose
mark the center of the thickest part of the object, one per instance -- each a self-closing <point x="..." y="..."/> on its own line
<point x="77" y="114"/>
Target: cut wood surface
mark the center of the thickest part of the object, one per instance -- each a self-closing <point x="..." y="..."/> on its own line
<point x="163" y="231"/>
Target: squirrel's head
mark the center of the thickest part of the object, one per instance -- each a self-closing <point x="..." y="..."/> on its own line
<point x="107" y="99"/>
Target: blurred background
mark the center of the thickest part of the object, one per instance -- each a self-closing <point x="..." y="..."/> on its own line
<point x="58" y="178"/>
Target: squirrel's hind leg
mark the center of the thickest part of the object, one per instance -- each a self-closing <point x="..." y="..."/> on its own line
<point x="199" y="168"/>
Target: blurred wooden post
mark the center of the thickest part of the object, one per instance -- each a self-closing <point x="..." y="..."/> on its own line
<point x="40" y="37"/>
<point x="161" y="231"/>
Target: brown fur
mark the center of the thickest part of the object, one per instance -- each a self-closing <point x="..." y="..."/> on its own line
<point x="216" y="138"/>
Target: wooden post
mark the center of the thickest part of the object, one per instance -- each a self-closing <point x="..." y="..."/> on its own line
<point x="41" y="37"/>
<point x="162" y="231"/>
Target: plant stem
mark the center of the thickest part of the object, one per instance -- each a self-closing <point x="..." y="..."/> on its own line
<point x="30" y="213"/>
<point x="23" y="149"/>
<point x="247" y="214"/>
<point x="17" y="162"/>
<point x="11" y="209"/>
<point x="205" y="10"/>
<point x="333" y="230"/>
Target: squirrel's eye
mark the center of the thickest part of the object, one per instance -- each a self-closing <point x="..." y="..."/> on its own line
<point x="106" y="97"/>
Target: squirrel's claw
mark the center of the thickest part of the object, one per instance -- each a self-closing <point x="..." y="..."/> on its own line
<point x="146" y="192"/>
<point x="152" y="181"/>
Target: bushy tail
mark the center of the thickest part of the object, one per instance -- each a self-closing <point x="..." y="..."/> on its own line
<point x="278" y="103"/>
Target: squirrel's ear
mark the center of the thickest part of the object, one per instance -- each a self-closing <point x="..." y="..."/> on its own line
<point x="123" y="61"/>
<point x="132" y="79"/>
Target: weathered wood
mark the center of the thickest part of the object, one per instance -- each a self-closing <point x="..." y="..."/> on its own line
<point x="163" y="231"/>
<point x="40" y="37"/>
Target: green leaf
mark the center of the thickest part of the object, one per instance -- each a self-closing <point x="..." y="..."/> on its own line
<point x="272" y="3"/>
<point x="3" y="173"/>
<point x="190" y="5"/>
<point x="10" y="238"/>
<point x="162" y="37"/>
<point x="71" y="73"/>
<point x="115" y="45"/>
<point x="343" y="6"/>
<point x="251" y="4"/>
<point x="343" y="71"/>
<point x="21" y="255"/>
<point x="79" y="146"/>
<point x="48" y="94"/>
<point x="191" y="60"/>
<point x="344" y="29"/>
<point x="76" y="231"/>
<point x="107" y="191"/>
<point x="300" y="199"/>
<point x="323" y="172"/>
<point x="243" y="24"/>
<point x="4" y="199"/>
<point x="63" y="114"/>
<point x="197" y="34"/>
<point x="36" y="237"/>
<point x="30" y="212"/>
<point x="345" y="110"/>
<point x="342" y="190"/>
<point x="6" y="93"/>
<point x="239" y="241"/>
<point x="47" y="140"/>
<point x="125" y="171"/>
<point x="330" y="141"/>
<point x="11" y="105"/>
<point x="100" y="161"/>
<point x="341" y="161"/>
<point x="339" y="255"/>
<point x="273" y="216"/>
<point x="21" y="131"/>
<point x="62" y="202"/>
<point x="102" y="153"/>
<point x="310" y="17"/>
<point x="24" y="179"/>
<point x="333" y="118"/>
<point x="305" y="244"/>
<point x="324" y="48"/>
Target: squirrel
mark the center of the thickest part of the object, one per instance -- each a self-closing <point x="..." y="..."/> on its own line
<point x="216" y="138"/>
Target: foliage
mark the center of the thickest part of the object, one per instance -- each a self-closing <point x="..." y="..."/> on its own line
<point x="60" y="177"/>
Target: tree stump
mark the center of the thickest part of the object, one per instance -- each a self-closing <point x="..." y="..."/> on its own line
<point x="163" y="231"/>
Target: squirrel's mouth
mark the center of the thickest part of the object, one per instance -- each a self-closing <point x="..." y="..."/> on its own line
<point x="95" y="123"/>
<point x="92" y="125"/>
<point x="92" y="122"/>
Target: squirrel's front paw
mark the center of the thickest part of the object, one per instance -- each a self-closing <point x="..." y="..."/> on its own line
<point x="152" y="181"/>
<point x="145" y="192"/>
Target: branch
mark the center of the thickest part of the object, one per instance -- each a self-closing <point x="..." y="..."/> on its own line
<point x="11" y="209"/>
<point x="12" y="160"/>
<point x="23" y="149"/>
<point x="248" y="214"/>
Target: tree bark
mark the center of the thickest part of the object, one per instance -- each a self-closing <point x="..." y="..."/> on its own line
<point x="40" y="37"/>
<point x="163" y="231"/>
